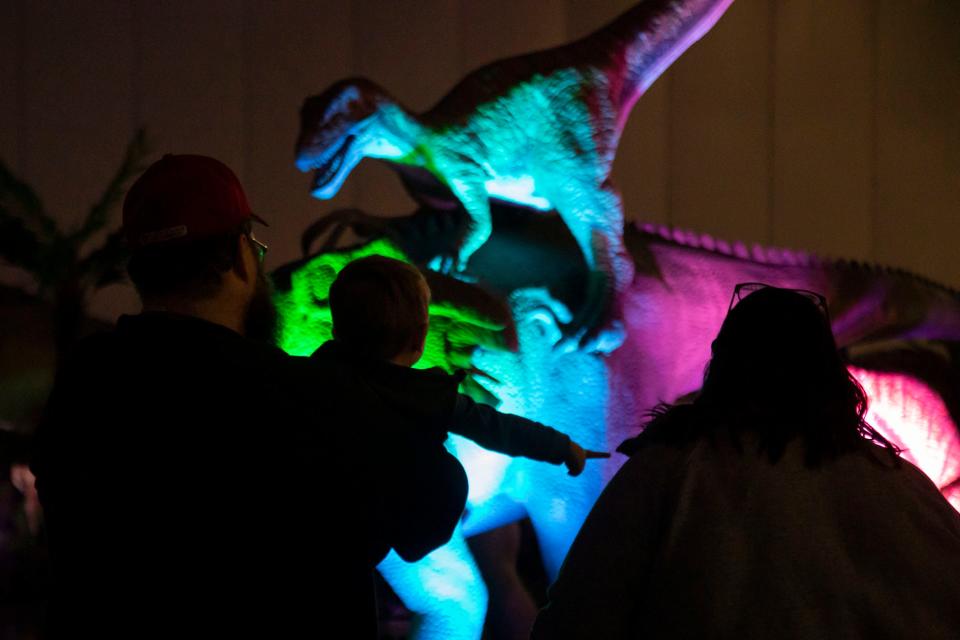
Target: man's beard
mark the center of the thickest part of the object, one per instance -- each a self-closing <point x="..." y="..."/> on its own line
<point x="261" y="318"/>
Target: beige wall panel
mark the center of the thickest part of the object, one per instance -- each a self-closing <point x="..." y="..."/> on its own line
<point x="719" y="136"/>
<point x="10" y="47"/>
<point x="640" y="169"/>
<point x="823" y="131"/>
<point x="292" y="49"/>
<point x="226" y="78"/>
<point x="77" y="94"/>
<point x="496" y="29"/>
<point x="190" y="77"/>
<point x="411" y="48"/>
<point x="77" y="84"/>
<point x="918" y="126"/>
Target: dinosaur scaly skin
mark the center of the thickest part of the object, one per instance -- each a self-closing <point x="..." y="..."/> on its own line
<point x="539" y="130"/>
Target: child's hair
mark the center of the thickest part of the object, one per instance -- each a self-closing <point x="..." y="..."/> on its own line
<point x="379" y="306"/>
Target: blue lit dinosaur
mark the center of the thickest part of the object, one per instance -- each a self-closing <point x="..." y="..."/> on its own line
<point x="673" y="309"/>
<point x="539" y="130"/>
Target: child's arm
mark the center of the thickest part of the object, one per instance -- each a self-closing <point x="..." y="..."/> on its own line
<point x="516" y="436"/>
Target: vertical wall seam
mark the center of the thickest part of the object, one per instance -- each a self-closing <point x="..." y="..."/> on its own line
<point x="772" y="125"/>
<point x="668" y="151"/>
<point x="874" y="205"/>
<point x="136" y="67"/>
<point x="20" y="144"/>
<point x="461" y="41"/>
<point x="244" y="97"/>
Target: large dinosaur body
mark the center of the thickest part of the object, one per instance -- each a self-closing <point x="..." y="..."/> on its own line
<point x="540" y="130"/>
<point x="672" y="311"/>
<point x="679" y="295"/>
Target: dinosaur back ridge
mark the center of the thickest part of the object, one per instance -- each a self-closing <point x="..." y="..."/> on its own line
<point x="775" y="256"/>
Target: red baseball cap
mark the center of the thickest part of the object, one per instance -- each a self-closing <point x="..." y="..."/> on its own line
<point x="181" y="198"/>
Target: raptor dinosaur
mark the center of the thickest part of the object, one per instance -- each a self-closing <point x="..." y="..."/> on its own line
<point x="674" y="307"/>
<point x="539" y="129"/>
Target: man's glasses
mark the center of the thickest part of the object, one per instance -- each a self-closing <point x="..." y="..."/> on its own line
<point x="258" y="247"/>
<point x="744" y="289"/>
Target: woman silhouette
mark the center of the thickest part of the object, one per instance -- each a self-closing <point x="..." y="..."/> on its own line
<point x="767" y="508"/>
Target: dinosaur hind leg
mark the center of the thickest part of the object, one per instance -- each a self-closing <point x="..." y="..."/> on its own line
<point x="445" y="590"/>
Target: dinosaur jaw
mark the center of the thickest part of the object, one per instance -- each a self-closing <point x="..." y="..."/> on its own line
<point x="332" y="170"/>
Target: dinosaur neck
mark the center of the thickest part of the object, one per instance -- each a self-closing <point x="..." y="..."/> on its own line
<point x="397" y="135"/>
<point x="644" y="41"/>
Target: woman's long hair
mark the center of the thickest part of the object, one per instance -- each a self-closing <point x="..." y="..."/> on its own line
<point x="775" y="372"/>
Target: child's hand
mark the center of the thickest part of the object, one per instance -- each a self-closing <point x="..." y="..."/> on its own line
<point x="577" y="458"/>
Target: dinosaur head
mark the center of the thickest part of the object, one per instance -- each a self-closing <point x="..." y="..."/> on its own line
<point x="335" y="132"/>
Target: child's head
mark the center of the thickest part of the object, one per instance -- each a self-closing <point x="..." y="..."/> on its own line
<point x="380" y="308"/>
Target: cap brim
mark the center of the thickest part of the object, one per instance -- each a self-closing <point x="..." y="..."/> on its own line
<point x="257" y="218"/>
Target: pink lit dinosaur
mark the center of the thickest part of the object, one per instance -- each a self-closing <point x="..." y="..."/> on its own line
<point x="673" y="309"/>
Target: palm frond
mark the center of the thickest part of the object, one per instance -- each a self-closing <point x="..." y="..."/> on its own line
<point x="132" y="166"/>
<point x="57" y="263"/>
<point x="19" y="246"/>
<point x="105" y="264"/>
<point x="18" y="200"/>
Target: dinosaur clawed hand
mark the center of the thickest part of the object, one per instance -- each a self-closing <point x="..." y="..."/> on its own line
<point x="598" y="327"/>
<point x="450" y="263"/>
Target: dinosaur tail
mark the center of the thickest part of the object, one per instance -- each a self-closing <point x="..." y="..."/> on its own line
<point x="643" y="42"/>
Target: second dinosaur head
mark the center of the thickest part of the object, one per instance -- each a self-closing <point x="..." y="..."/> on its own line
<point x="338" y="128"/>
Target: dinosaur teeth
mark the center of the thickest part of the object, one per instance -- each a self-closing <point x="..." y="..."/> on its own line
<point x="324" y="175"/>
<point x="328" y="170"/>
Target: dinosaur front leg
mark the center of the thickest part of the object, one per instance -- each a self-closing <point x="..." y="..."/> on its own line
<point x="595" y="218"/>
<point x="473" y="195"/>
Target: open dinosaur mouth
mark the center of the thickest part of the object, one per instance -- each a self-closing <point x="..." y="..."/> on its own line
<point x="328" y="171"/>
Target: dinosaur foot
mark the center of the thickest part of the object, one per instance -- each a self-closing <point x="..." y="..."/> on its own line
<point x="599" y="339"/>
<point x="545" y="325"/>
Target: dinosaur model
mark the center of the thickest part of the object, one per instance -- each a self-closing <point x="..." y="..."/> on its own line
<point x="512" y="142"/>
<point x="673" y="309"/>
<point x="539" y="129"/>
